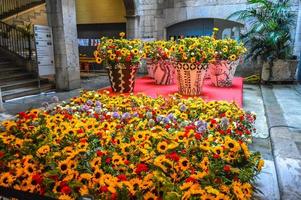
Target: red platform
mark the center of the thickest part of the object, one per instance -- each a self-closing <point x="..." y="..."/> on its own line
<point x="147" y="86"/>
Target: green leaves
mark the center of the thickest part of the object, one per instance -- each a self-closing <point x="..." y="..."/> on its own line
<point x="269" y="23"/>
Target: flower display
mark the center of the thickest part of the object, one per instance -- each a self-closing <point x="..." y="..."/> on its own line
<point x="195" y="50"/>
<point x="229" y="49"/>
<point x="159" y="50"/>
<point x="114" y="51"/>
<point x="131" y="147"/>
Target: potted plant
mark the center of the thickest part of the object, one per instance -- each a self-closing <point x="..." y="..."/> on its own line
<point x="193" y="56"/>
<point x="122" y="58"/>
<point x="162" y="69"/>
<point x="268" y="37"/>
<point x="227" y="57"/>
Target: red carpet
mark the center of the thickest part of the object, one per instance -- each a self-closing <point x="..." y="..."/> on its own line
<point x="147" y="86"/>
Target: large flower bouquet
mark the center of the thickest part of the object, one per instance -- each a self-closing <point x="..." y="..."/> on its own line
<point x="195" y="50"/>
<point x="159" y="50"/>
<point x="229" y="49"/>
<point x="131" y="147"/>
<point x="114" y="51"/>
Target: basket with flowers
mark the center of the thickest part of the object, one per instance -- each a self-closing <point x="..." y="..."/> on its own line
<point x="160" y="65"/>
<point x="228" y="53"/>
<point x="193" y="56"/>
<point x="122" y="57"/>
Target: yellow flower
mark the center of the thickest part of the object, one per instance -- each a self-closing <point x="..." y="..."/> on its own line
<point x="245" y="149"/>
<point x="184" y="163"/>
<point x="63" y="166"/>
<point x="135" y="51"/>
<point x="6" y="179"/>
<point x="192" y="59"/>
<point x="205" y="145"/>
<point x="231" y="144"/>
<point x="162" y="147"/>
<point x="122" y="34"/>
<point x="149" y="196"/>
<point x="260" y="165"/>
<point x="43" y="150"/>
<point x="186" y="185"/>
<point x="218" y="150"/>
<point x="65" y="197"/>
<point x="233" y="57"/>
<point x="112" y="56"/>
<point x="98" y="60"/>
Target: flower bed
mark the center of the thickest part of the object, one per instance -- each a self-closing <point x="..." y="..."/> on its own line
<point x="131" y="147"/>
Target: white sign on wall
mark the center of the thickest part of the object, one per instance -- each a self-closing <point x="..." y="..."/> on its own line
<point x="44" y="49"/>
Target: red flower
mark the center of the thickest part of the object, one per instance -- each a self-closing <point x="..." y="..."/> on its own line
<point x="141" y="168"/>
<point x="190" y="179"/>
<point x="132" y="139"/>
<point x="103" y="189"/>
<point x="122" y="177"/>
<point x="37" y="178"/>
<point x="216" y="156"/>
<point x="128" y="58"/>
<point x="227" y="168"/>
<point x="126" y="162"/>
<point x="80" y="131"/>
<point x="1" y="154"/>
<point x="213" y="121"/>
<point x="83" y="140"/>
<point x="198" y="136"/>
<point x="66" y="189"/>
<point x="108" y="160"/>
<point x="173" y="156"/>
<point x="99" y="153"/>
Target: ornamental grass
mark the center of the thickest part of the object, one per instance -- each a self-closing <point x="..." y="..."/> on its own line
<point x="131" y="147"/>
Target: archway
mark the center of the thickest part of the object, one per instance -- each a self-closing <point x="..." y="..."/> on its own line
<point x="204" y="27"/>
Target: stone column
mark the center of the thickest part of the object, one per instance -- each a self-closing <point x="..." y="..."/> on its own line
<point x="297" y="45"/>
<point x="132" y="26"/>
<point x="62" y="18"/>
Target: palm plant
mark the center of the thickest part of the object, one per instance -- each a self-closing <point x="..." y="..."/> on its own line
<point x="268" y="35"/>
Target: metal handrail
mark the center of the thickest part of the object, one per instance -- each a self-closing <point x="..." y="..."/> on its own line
<point x="11" y="7"/>
<point x="17" y="41"/>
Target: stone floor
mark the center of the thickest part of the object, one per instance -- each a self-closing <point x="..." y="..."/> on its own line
<point x="278" y="137"/>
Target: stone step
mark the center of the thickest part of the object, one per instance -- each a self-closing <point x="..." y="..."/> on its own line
<point x="19" y="84"/>
<point x="4" y="63"/>
<point x="25" y="91"/>
<point x="15" y="76"/>
<point x="11" y="70"/>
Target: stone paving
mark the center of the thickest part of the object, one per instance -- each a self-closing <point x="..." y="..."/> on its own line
<point x="278" y="136"/>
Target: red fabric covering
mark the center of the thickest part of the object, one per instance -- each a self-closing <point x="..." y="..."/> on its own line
<point x="147" y="86"/>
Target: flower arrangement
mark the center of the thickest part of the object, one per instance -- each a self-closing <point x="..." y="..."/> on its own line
<point x="114" y="51"/>
<point x="195" y="50"/>
<point x="229" y="49"/>
<point x="159" y="50"/>
<point x="131" y="147"/>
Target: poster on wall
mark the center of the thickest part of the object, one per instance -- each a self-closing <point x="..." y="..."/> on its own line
<point x="44" y="50"/>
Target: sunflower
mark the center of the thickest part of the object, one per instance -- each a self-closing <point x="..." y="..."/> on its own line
<point x="184" y="116"/>
<point x="65" y="197"/>
<point x="139" y="135"/>
<point x="162" y="147"/>
<point x="135" y="51"/>
<point x="184" y="164"/>
<point x="212" y="126"/>
<point x="149" y="196"/>
<point x="117" y="159"/>
<point x="180" y="136"/>
<point x="43" y="150"/>
<point x="205" y="145"/>
<point x="181" y="48"/>
<point x="245" y="149"/>
<point x="247" y="190"/>
<point x="98" y="60"/>
<point x="6" y="179"/>
<point x="233" y="57"/>
<point x="63" y="166"/>
<point x="186" y="185"/>
<point x="229" y="114"/>
<point x="205" y="163"/>
<point x="97" y="173"/>
<point x="122" y="34"/>
<point x="231" y="144"/>
<point x="218" y="150"/>
<point x="85" y="178"/>
<point x="112" y="56"/>
<point x="29" y="169"/>
<point x="260" y="164"/>
<point x="125" y="148"/>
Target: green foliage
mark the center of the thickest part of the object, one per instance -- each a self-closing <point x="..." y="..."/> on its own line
<point x="269" y="24"/>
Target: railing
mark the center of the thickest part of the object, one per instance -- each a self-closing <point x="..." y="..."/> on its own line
<point x="11" y="7"/>
<point x="16" y="40"/>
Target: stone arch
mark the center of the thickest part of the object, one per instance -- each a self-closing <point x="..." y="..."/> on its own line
<point x="203" y="26"/>
<point x="130" y="7"/>
<point x="132" y="19"/>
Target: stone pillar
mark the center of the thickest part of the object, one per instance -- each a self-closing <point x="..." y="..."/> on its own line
<point x="62" y="18"/>
<point x="1" y="103"/>
<point x="297" y="45"/>
<point x="132" y="26"/>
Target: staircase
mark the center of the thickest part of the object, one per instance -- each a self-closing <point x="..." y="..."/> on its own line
<point x="16" y="82"/>
<point x="17" y="50"/>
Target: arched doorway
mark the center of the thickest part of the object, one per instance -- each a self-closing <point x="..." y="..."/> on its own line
<point x="204" y="27"/>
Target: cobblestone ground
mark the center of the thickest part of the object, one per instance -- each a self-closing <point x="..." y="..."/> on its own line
<point x="278" y="136"/>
